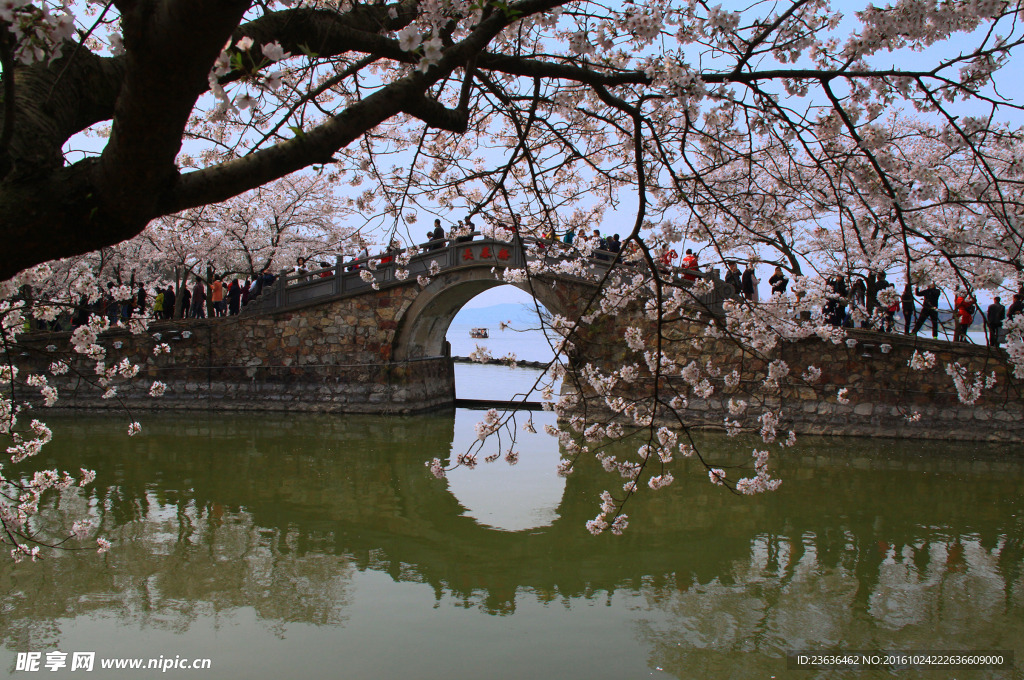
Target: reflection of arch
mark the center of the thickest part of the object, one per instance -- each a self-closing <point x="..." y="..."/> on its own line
<point x="424" y="325"/>
<point x="524" y="497"/>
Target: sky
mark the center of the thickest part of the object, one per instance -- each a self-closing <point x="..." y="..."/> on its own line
<point x="499" y="296"/>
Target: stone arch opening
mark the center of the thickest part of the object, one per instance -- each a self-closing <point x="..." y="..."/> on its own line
<point x="489" y="310"/>
<point x="423" y="328"/>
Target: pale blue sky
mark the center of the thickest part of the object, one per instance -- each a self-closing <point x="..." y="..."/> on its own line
<point x="499" y="296"/>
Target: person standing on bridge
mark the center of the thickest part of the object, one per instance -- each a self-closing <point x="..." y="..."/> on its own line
<point x="234" y="297"/>
<point x="599" y="244"/>
<point x="888" y="311"/>
<point x="749" y="283"/>
<point x="734" y="279"/>
<point x="217" y="297"/>
<point x="257" y="286"/>
<point x="438" y="234"/>
<point x="469" y="228"/>
<point x="994" y="318"/>
<point x="365" y="253"/>
<point x="965" y="309"/>
<point x="198" y="310"/>
<point x="929" y="308"/>
<point x="169" y="300"/>
<point x="909" y="309"/>
<point x="1016" y="307"/>
<point x="613" y="244"/>
<point x="158" y="304"/>
<point x="689" y="264"/>
<point x="778" y="282"/>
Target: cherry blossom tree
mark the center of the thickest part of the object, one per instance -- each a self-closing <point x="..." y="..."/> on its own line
<point x="271" y="226"/>
<point x="782" y="130"/>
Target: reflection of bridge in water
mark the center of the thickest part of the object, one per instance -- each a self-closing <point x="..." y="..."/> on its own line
<point x="275" y="514"/>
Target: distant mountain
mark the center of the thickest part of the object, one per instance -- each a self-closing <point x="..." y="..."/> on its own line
<point x="518" y="314"/>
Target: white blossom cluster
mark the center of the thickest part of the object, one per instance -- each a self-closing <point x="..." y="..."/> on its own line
<point x="762" y="481"/>
<point x="969" y="391"/>
<point x="922" y="361"/>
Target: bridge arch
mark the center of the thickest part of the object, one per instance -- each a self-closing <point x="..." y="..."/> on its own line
<point x="423" y="326"/>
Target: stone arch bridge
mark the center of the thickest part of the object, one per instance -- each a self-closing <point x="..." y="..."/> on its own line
<point x="422" y="314"/>
<point x="328" y="340"/>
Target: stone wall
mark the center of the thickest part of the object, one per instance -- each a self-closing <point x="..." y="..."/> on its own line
<point x="340" y="356"/>
<point x="881" y="388"/>
<point x="333" y="357"/>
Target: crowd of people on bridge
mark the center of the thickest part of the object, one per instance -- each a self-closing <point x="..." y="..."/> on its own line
<point x="852" y="299"/>
<point x="861" y="298"/>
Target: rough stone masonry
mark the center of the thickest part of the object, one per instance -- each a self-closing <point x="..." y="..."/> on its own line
<point x="337" y="356"/>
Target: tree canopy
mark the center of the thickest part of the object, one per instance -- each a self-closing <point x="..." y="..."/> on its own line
<point x="741" y="127"/>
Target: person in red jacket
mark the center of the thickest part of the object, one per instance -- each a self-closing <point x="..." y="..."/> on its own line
<point x="689" y="263"/>
<point x="965" y="308"/>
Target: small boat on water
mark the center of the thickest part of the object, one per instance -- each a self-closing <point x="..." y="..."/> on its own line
<point x="478" y="333"/>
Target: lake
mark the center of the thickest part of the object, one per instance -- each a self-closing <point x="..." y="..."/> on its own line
<point x="308" y="546"/>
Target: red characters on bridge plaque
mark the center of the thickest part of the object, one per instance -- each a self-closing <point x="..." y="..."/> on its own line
<point x="485" y="253"/>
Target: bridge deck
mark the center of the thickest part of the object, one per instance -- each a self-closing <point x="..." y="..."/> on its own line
<point x="345" y="279"/>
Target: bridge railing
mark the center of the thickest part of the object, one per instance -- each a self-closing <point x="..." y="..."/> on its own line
<point x="346" y="278"/>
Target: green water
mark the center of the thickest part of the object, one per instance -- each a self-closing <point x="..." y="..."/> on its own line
<point x="306" y="546"/>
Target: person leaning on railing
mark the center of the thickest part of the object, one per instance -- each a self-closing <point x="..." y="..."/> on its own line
<point x="354" y="263"/>
<point x="393" y="249"/>
<point x="300" y="269"/>
<point x="613" y="244"/>
<point x="467" y="227"/>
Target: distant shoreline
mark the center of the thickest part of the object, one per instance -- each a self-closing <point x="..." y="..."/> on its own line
<point x="519" y="364"/>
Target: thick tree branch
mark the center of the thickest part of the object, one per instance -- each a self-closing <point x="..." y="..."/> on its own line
<point x="318" y="145"/>
<point x="7" y="128"/>
<point x="155" y="102"/>
<point x="437" y="115"/>
<point x="47" y="116"/>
